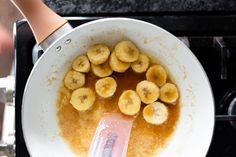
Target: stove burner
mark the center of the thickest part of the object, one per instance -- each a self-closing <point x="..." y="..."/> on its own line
<point x="232" y="111"/>
<point x="228" y="106"/>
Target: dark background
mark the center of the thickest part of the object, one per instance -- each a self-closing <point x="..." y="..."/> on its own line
<point x="86" y="7"/>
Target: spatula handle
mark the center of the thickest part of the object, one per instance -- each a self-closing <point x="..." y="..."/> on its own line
<point x="42" y="20"/>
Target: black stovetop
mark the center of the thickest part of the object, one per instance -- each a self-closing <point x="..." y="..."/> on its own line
<point x="218" y="61"/>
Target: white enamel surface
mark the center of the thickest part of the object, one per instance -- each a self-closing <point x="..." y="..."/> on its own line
<point x="194" y="130"/>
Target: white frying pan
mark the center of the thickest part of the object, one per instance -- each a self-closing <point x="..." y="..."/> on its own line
<point x="193" y="134"/>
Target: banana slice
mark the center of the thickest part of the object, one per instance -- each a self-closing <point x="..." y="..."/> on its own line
<point x="102" y="70"/>
<point x="157" y="75"/>
<point x="74" y="80"/>
<point x="129" y="102"/>
<point x="147" y="91"/>
<point x="98" y="53"/>
<point x="82" y="99"/>
<point x="155" y="113"/>
<point x="140" y="65"/>
<point x="106" y="87"/>
<point x="169" y="93"/>
<point x="81" y="64"/>
<point x="126" y="51"/>
<point x="116" y="64"/>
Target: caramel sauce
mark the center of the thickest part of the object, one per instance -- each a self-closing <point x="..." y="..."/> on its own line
<point x="78" y="128"/>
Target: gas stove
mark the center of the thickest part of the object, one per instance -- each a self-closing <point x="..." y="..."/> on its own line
<point x="211" y="38"/>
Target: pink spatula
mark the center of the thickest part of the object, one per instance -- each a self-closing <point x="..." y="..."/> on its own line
<point x="112" y="136"/>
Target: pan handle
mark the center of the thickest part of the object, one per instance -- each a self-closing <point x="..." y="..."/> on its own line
<point x="42" y="20"/>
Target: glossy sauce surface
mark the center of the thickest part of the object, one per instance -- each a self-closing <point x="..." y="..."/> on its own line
<point x="77" y="128"/>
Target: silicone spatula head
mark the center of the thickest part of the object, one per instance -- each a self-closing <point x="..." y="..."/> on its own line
<point x="112" y="136"/>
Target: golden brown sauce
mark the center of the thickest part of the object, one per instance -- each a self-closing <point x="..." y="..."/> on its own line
<point x="78" y="128"/>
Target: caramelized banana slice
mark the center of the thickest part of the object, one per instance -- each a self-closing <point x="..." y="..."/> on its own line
<point x="157" y="75"/>
<point x="147" y="91"/>
<point x="129" y="102"/>
<point x="82" y="99"/>
<point x="74" y="80"/>
<point x="169" y="93"/>
<point x="81" y="64"/>
<point x="102" y="70"/>
<point x="126" y="51"/>
<point x="106" y="87"/>
<point x="98" y="53"/>
<point x="155" y="113"/>
<point x="116" y="64"/>
<point x="141" y="65"/>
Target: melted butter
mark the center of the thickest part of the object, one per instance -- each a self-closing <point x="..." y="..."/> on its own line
<point x="78" y="128"/>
